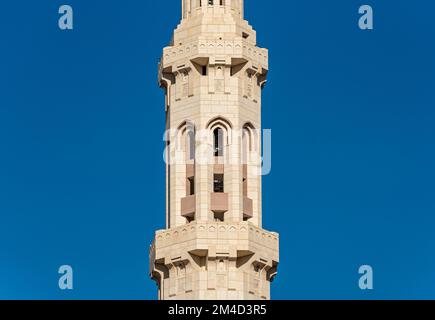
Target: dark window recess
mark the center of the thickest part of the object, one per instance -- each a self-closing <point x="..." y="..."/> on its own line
<point x="191" y="139"/>
<point x="218" y="183"/>
<point x="204" y="70"/>
<point x="218" y="134"/>
<point x="191" y="186"/>
<point x="210" y="2"/>
<point x="219" y="217"/>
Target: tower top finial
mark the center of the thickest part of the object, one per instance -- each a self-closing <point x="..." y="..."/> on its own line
<point x="195" y="7"/>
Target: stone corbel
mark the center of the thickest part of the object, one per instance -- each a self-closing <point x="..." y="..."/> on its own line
<point x="172" y="261"/>
<point x="166" y="80"/>
<point x="159" y="273"/>
<point x="225" y="63"/>
<point x="259" y="74"/>
<point x="186" y="68"/>
<point x="272" y="272"/>
<point x="262" y="80"/>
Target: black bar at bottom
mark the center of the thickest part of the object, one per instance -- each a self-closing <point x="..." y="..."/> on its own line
<point x="215" y="309"/>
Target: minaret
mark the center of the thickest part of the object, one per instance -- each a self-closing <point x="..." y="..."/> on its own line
<point x="213" y="74"/>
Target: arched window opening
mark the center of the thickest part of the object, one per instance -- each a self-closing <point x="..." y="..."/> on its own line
<point x="219" y="73"/>
<point x="187" y="137"/>
<point x="250" y="137"/>
<point x="190" y="145"/>
<point x="246" y="145"/>
<point x="218" y="135"/>
<point x="218" y="183"/>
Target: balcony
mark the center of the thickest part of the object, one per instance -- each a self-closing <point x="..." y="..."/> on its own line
<point x="219" y="202"/>
<point x="188" y="206"/>
<point x="247" y="208"/>
<point x="240" y="51"/>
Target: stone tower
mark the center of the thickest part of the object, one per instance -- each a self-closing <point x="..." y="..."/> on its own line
<point x="213" y="246"/>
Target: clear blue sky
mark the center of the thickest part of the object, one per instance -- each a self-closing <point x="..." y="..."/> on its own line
<point x="352" y="117"/>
